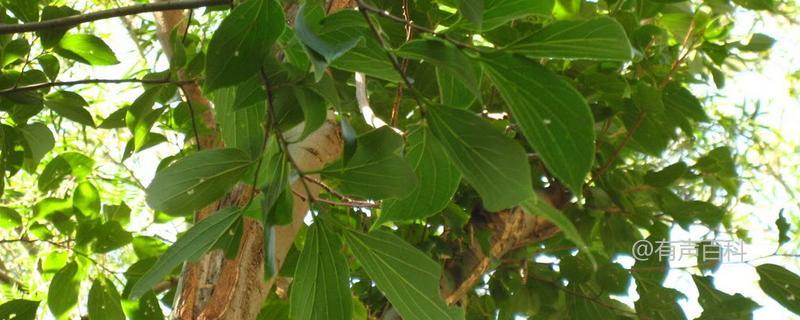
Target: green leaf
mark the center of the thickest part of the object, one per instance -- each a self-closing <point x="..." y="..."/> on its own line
<point x="52" y="36"/>
<point x="683" y="106"/>
<point x="375" y="171"/>
<point x="322" y="51"/>
<point x="321" y="286"/>
<point x="147" y="308"/>
<point x="781" y="223"/>
<point x="86" y="48"/>
<point x="667" y="176"/>
<point x="14" y="50"/>
<point x="756" y="4"/>
<point x="472" y="10"/>
<point x="140" y="116"/>
<point x="601" y="38"/>
<point x="494" y="165"/>
<point x="445" y="57"/>
<point x="408" y="278"/>
<point x="453" y="92"/>
<point x="498" y="12"/>
<point x="553" y="116"/>
<point x="19" y="309"/>
<point x="191" y="246"/>
<point x="86" y="199"/>
<point x="197" y="180"/>
<point x="537" y="206"/>
<point x="104" y="301"/>
<point x="314" y="110"/>
<point x="759" y="42"/>
<point x="110" y="236"/>
<point x="780" y="284"/>
<point x="50" y="65"/>
<point x="9" y="218"/>
<point x="62" y="295"/>
<point x="63" y="165"/>
<point x="241" y="129"/>
<point x="719" y="305"/>
<point x="70" y="105"/>
<point x="38" y="142"/>
<point x="368" y="58"/>
<point x="438" y="180"/>
<point x="242" y="40"/>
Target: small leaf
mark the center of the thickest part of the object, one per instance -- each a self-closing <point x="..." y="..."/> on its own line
<point x="553" y="116"/>
<point x="52" y="36"/>
<point x="62" y="295"/>
<point x="19" y="309"/>
<point x="781" y="223"/>
<point x="667" y="176"/>
<point x="86" y="48"/>
<point x="110" y="236"/>
<point x="321" y="287"/>
<point x="192" y="245"/>
<point x="499" y="12"/>
<point x="197" y="180"/>
<point x="104" y="301"/>
<point x="780" y="284"/>
<point x="720" y="305"/>
<point x="601" y="38"/>
<point x="86" y="198"/>
<point x="494" y="165"/>
<point x="50" y="65"/>
<point x="241" y="41"/>
<point x="70" y="105"/>
<point x="14" y="50"/>
<point x="438" y="180"/>
<point x="140" y="116"/>
<point x="408" y="278"/>
<point x="9" y="218"/>
<point x="322" y="52"/>
<point x="758" y="42"/>
<point x="38" y="140"/>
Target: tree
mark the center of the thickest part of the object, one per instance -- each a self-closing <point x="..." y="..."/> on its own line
<point x="436" y="149"/>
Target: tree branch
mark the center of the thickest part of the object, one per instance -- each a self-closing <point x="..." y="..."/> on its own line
<point x="90" y="81"/>
<point x="110" y="13"/>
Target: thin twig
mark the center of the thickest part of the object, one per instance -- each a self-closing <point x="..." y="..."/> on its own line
<point x="362" y="6"/>
<point x="91" y="81"/>
<point x="70" y="21"/>
<point x="192" y="116"/>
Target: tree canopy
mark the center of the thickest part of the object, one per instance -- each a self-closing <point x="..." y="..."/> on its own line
<point x="375" y="159"/>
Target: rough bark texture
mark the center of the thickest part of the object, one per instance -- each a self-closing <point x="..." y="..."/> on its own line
<point x="215" y="288"/>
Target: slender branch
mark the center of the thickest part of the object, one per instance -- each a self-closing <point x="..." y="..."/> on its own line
<point x="109" y="13"/>
<point x="192" y="116"/>
<point x="90" y="81"/>
<point x="351" y="204"/>
<point x="621" y="146"/>
<point x="364" y="7"/>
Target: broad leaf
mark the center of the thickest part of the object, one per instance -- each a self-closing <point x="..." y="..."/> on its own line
<point x="19" y="309"/>
<point x="408" y="278"/>
<point x="51" y="37"/>
<point x="499" y="12"/>
<point x="87" y="49"/>
<point x="321" y="286"/>
<point x="780" y="284"/>
<point x="140" y="116"/>
<point x="472" y="10"/>
<point x="438" y="180"/>
<point x="322" y="51"/>
<point x="62" y="295"/>
<point x="104" y="301"/>
<point x="720" y="305"/>
<point x="242" y="40"/>
<point x="39" y="141"/>
<point x="553" y="116"/>
<point x="192" y="245"/>
<point x="9" y="218"/>
<point x="494" y="165"/>
<point x="241" y="129"/>
<point x="599" y="38"/>
<point x="197" y="180"/>
<point x="375" y="171"/>
<point x="70" y="105"/>
<point x="445" y="57"/>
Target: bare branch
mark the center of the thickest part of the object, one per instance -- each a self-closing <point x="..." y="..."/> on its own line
<point x="89" y="81"/>
<point x="110" y="13"/>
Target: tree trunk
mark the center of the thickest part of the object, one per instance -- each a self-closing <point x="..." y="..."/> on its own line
<point x="216" y="288"/>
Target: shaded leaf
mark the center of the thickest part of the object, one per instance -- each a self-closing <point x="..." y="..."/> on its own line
<point x="104" y="301"/>
<point x="781" y="285"/>
<point x="70" y="105"/>
<point x="62" y="295"/>
<point x="601" y="38"/>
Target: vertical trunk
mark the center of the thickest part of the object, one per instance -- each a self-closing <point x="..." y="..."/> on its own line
<point x="216" y="288"/>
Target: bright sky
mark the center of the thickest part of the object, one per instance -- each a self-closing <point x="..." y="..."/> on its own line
<point x="768" y="85"/>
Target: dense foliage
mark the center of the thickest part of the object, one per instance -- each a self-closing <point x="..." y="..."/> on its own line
<point x="517" y="130"/>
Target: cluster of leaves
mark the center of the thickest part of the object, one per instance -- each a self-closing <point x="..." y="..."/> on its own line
<point x="594" y="110"/>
